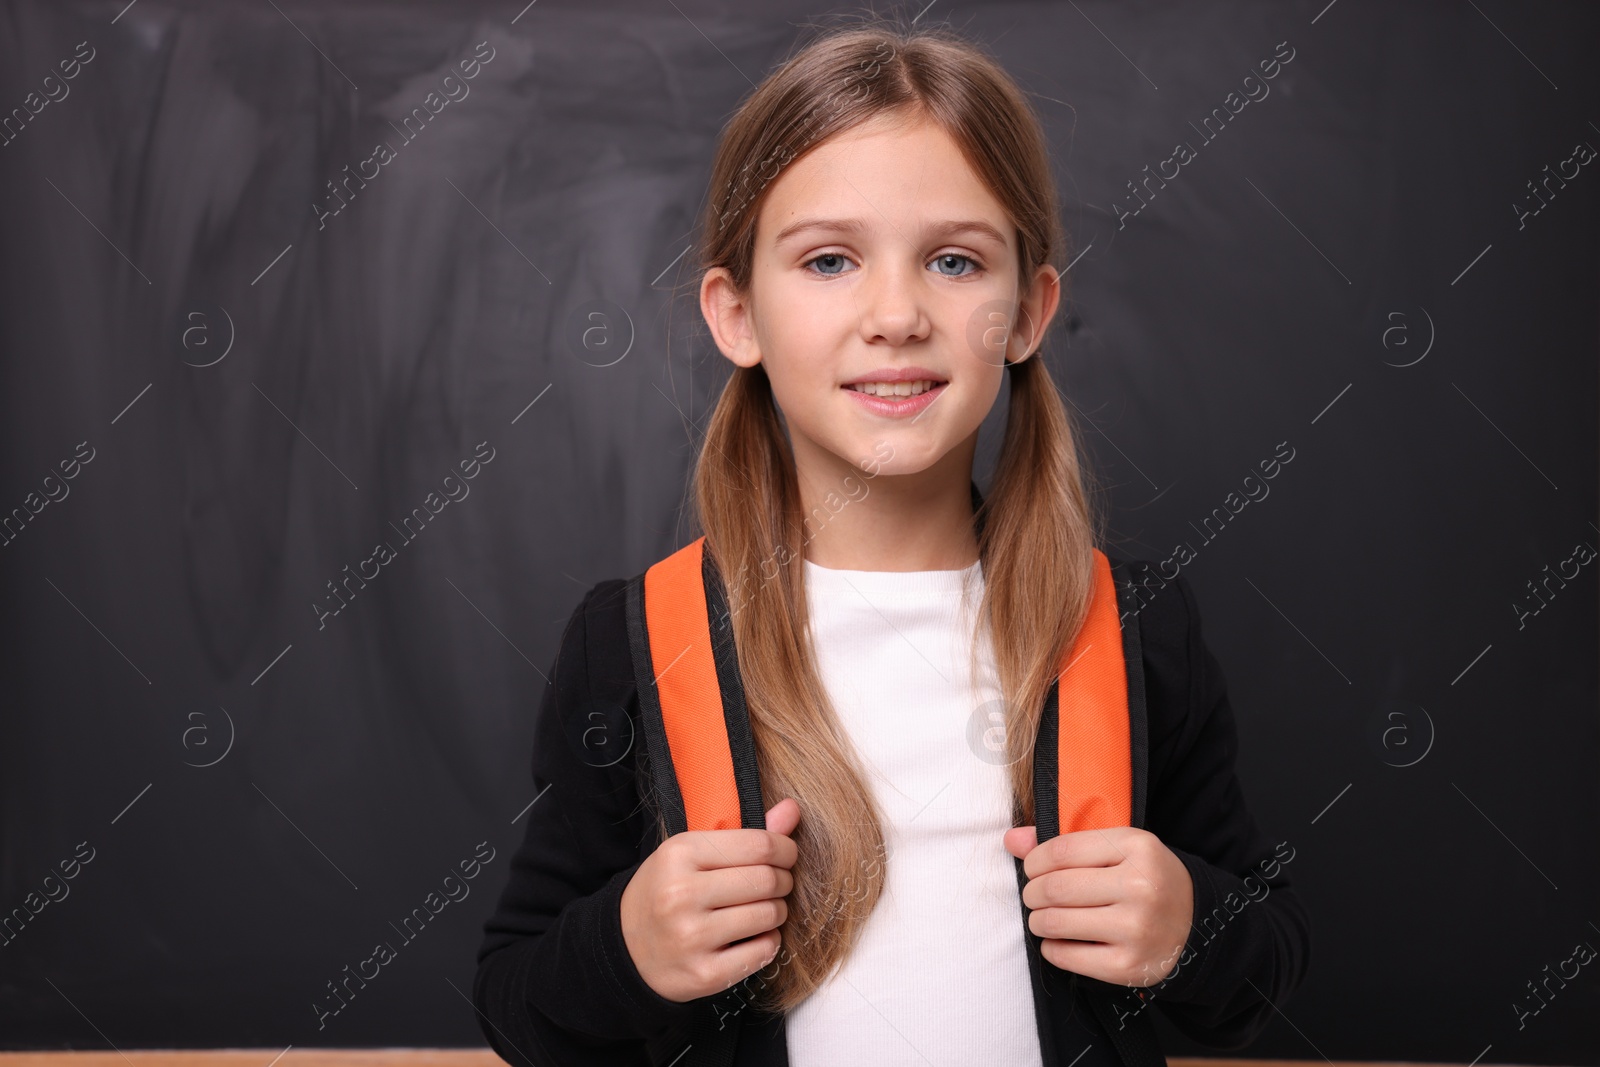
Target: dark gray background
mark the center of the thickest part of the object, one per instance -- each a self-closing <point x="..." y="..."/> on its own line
<point x="1432" y="763"/>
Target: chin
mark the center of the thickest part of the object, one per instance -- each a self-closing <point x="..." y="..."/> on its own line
<point x="901" y="461"/>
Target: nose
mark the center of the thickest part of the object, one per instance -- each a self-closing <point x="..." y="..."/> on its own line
<point x="892" y="302"/>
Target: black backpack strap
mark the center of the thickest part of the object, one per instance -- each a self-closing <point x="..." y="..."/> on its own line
<point x="1121" y="1011"/>
<point x="1133" y="660"/>
<point x="712" y="1035"/>
<point x="735" y="713"/>
<point x="668" y="798"/>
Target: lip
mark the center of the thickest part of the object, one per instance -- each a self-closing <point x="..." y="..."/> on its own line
<point x="897" y="374"/>
<point x="897" y="409"/>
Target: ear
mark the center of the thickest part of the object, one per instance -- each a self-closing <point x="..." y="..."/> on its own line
<point x="1034" y="312"/>
<point x="728" y="315"/>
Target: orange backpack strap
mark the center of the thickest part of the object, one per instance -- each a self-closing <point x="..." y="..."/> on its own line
<point x="1089" y="760"/>
<point x="691" y="700"/>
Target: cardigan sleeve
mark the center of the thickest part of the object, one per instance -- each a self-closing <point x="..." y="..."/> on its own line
<point x="1250" y="943"/>
<point x="555" y="983"/>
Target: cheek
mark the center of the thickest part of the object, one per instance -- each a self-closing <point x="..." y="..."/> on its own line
<point x="786" y="374"/>
<point x="983" y="389"/>
<point x="968" y="401"/>
<point x="803" y="394"/>
<point x="800" y="350"/>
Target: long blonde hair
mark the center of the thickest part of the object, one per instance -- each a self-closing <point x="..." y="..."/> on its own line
<point x="1036" y="528"/>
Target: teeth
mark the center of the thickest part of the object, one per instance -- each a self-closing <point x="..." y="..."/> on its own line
<point x="894" y="388"/>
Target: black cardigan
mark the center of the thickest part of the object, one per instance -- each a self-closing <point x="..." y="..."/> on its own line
<point x="555" y="984"/>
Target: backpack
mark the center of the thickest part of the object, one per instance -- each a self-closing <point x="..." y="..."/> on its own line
<point x="1088" y="761"/>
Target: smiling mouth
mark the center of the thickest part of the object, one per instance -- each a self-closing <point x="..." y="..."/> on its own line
<point x="890" y="403"/>
<point x="895" y="390"/>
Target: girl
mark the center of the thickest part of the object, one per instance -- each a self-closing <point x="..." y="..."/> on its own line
<point x="876" y="256"/>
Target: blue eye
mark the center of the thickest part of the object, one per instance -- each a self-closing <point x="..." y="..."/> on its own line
<point x="959" y="258"/>
<point x="834" y="264"/>
<point x="828" y="255"/>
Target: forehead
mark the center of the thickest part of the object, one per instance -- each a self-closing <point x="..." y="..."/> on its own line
<point x="892" y="175"/>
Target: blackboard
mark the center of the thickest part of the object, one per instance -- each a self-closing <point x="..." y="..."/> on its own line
<point x="245" y="351"/>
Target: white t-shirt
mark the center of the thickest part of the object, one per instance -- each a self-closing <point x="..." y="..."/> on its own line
<point x="940" y="975"/>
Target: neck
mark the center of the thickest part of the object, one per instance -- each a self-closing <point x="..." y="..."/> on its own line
<point x="922" y="521"/>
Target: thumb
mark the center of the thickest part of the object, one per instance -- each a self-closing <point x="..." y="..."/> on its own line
<point x="1021" y="840"/>
<point x="784" y="816"/>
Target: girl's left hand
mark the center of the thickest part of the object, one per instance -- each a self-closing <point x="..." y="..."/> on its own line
<point x="1112" y="904"/>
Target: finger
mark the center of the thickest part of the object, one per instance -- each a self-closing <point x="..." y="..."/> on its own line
<point x="784" y="816"/>
<point x="726" y="926"/>
<point x="737" y="962"/>
<point x="1088" y="958"/>
<point x="1021" y="840"/>
<point x="740" y="885"/>
<point x="1080" y="848"/>
<point x="1096" y="924"/>
<point x="710" y="850"/>
<point x="1073" y="887"/>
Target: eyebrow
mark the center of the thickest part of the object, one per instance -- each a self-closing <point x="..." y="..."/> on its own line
<point x="946" y="228"/>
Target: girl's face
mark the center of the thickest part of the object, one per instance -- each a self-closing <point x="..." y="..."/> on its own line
<point x="881" y="257"/>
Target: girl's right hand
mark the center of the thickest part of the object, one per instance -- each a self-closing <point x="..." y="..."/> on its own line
<point x="687" y="908"/>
